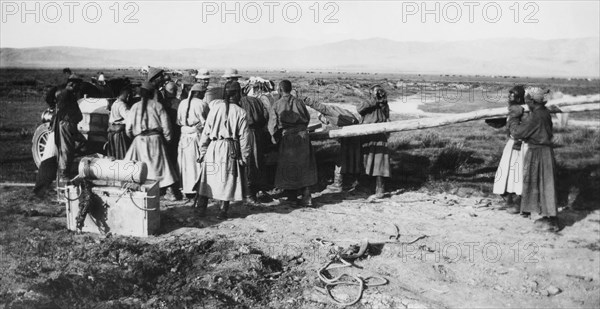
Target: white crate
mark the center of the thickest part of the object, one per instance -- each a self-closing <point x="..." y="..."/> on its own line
<point x="116" y="210"/>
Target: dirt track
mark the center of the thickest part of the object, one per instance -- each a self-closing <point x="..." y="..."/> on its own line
<point x="474" y="256"/>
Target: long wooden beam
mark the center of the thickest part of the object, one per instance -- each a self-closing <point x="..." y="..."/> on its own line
<point x="425" y="123"/>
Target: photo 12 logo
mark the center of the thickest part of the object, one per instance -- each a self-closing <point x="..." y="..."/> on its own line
<point x="272" y="12"/>
<point x="469" y="11"/>
<point x="54" y="12"/>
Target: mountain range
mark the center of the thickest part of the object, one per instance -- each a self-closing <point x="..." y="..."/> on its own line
<point x="516" y="57"/>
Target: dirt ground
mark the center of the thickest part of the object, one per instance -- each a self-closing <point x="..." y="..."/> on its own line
<point x="456" y="248"/>
<point x="474" y="255"/>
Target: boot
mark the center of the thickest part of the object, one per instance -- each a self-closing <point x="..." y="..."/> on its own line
<point x="201" y="204"/>
<point x="250" y="198"/>
<point x="224" y="208"/>
<point x="516" y="204"/>
<point x="306" y="198"/>
<point x="292" y="196"/>
<point x="547" y="224"/>
<point x="508" y="201"/>
<point x="173" y="193"/>
<point x="353" y="185"/>
<point x="336" y="186"/>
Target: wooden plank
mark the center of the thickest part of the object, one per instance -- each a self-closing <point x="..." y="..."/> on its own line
<point x="425" y="123"/>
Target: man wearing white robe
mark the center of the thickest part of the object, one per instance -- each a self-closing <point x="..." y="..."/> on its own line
<point x="191" y="116"/>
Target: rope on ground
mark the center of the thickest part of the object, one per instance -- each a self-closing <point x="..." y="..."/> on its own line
<point x="341" y="260"/>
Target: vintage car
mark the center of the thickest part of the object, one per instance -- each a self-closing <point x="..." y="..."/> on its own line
<point x="93" y="126"/>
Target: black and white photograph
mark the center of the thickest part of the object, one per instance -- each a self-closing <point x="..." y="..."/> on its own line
<point x="300" y="154"/>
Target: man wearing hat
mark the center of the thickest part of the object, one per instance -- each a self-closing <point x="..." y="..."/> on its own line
<point x="148" y="124"/>
<point x="212" y="93"/>
<point x="296" y="165"/>
<point x="224" y="152"/>
<point x="231" y="75"/>
<point x="157" y="78"/>
<point x="203" y="77"/>
<point x="539" y="165"/>
<point x="191" y="116"/>
<point x="168" y="98"/>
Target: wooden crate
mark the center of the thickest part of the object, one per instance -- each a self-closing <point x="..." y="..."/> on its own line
<point x="117" y="210"/>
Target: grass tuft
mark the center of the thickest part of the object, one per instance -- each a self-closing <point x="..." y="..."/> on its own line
<point x="433" y="140"/>
<point x="451" y="159"/>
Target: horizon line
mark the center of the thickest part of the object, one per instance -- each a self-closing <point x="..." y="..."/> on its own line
<point x="214" y="47"/>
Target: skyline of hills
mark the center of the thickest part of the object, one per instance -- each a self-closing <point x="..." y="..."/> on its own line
<point x="518" y="57"/>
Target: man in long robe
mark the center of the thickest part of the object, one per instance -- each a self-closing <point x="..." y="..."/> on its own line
<point x="257" y="117"/>
<point x="349" y="161"/>
<point x="224" y="153"/>
<point x="191" y="116"/>
<point x="170" y="103"/>
<point x="66" y="134"/>
<point x="148" y="124"/>
<point x="159" y="80"/>
<point x="296" y="164"/>
<point x="118" y="141"/>
<point x="539" y="165"/>
<point x="376" y="158"/>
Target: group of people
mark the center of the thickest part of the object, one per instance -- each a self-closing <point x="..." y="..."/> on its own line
<point x="527" y="172"/>
<point x="207" y="145"/>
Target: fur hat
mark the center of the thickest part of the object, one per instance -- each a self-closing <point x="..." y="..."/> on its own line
<point x="203" y="74"/>
<point x="231" y="73"/>
<point x="537" y="94"/>
<point x="154" y="72"/>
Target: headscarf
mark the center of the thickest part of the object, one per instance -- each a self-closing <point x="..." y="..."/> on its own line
<point x="537" y="94"/>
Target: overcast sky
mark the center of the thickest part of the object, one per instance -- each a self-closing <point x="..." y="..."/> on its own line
<point x="197" y="24"/>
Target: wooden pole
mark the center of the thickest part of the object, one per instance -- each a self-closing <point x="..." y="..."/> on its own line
<point x="570" y="106"/>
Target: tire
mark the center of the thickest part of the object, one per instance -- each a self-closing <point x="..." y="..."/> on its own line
<point x="40" y="137"/>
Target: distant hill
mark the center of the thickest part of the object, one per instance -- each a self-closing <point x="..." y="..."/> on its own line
<point x="520" y="57"/>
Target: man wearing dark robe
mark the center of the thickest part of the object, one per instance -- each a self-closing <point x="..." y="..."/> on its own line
<point x="257" y="117"/>
<point x="158" y="80"/>
<point x="539" y="165"/>
<point x="66" y="134"/>
<point x="349" y="161"/>
<point x="376" y="158"/>
<point x="296" y="166"/>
